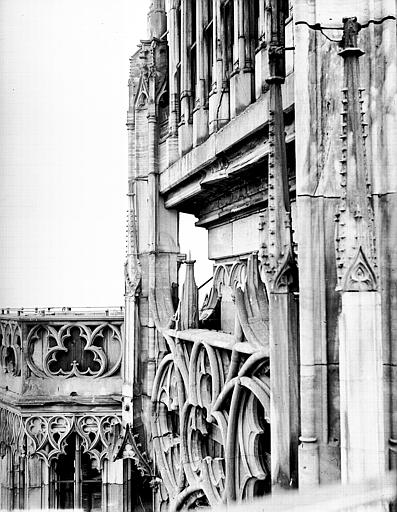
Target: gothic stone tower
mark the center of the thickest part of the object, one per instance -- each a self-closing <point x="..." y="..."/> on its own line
<point x="274" y="123"/>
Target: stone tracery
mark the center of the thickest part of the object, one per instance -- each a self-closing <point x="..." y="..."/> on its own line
<point x="74" y="349"/>
<point x="211" y="399"/>
<point x="46" y="436"/>
<point x="10" y="347"/>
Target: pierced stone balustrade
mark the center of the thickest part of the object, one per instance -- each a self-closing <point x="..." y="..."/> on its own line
<point x="39" y="348"/>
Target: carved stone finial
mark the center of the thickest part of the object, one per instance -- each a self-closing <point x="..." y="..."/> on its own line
<point x="349" y="42"/>
<point x="355" y="220"/>
<point x="125" y="446"/>
<point x="189" y="300"/>
<point x="351" y="28"/>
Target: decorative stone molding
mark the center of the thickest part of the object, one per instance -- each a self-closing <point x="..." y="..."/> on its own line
<point x="360" y="276"/>
<point x="46" y="436"/>
<point x="11" y="433"/>
<point x="252" y="306"/>
<point x="74" y="350"/>
<point x="132" y="267"/>
<point x="126" y="446"/>
<point x="250" y="296"/>
<point x="355" y="239"/>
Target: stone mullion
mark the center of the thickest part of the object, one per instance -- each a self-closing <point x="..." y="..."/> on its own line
<point x="77" y="474"/>
<point x="24" y="356"/>
<point x="45" y="484"/>
<point x="219" y="99"/>
<point x="153" y="209"/>
<point x="185" y="83"/>
<point x="200" y="56"/>
<point x="241" y="34"/>
<point x="236" y="16"/>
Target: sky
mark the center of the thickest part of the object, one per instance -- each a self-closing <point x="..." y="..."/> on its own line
<point x="63" y="149"/>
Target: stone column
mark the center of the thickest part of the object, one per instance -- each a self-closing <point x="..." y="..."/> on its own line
<point x="282" y="279"/>
<point x="361" y="387"/>
<point x="112" y="485"/>
<point x="317" y="140"/>
<point x="361" y="371"/>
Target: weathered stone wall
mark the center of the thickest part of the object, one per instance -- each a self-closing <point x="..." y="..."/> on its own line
<point x="319" y="80"/>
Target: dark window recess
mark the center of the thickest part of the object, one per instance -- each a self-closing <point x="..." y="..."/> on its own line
<point x="76" y="483"/>
<point x="178" y="92"/>
<point x="178" y="68"/>
<point x="228" y="31"/>
<point x="193" y="54"/>
<point x="193" y="73"/>
<point x="255" y="23"/>
<point x="208" y="43"/>
<point x="135" y="501"/>
<point x="163" y="113"/>
<point x="291" y="162"/>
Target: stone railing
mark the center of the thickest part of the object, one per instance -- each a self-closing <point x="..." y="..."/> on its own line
<point x="61" y="342"/>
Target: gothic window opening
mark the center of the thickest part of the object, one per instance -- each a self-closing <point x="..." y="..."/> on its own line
<point x="163" y="114"/>
<point x="255" y="20"/>
<point x="18" y="483"/>
<point x="76" y="483"/>
<point x="178" y="65"/>
<point x="193" y="54"/>
<point x="208" y="44"/>
<point x="134" y="501"/>
<point x="228" y="33"/>
<point x="291" y="163"/>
